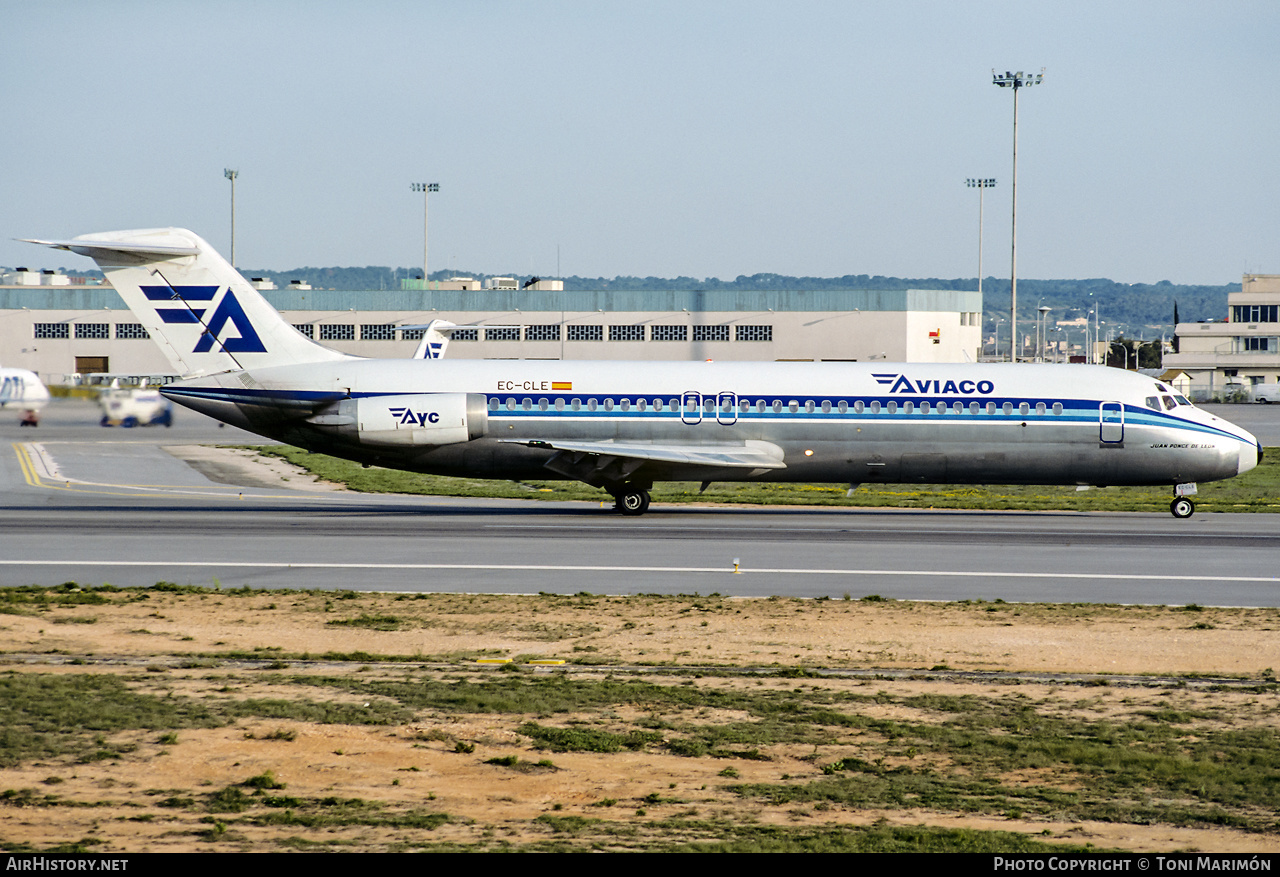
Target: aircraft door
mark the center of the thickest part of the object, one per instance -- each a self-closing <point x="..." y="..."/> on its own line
<point x="1111" y="423"/>
<point x="691" y="407"/>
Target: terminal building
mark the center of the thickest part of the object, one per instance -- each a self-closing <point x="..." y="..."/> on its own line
<point x="1231" y="357"/>
<point x="61" y="331"/>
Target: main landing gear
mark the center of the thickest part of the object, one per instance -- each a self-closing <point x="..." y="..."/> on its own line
<point x="631" y="500"/>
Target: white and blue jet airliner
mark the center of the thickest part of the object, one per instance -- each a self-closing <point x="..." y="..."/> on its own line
<point x="622" y="426"/>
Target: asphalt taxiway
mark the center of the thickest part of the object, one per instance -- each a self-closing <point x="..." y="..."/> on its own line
<point x="92" y="505"/>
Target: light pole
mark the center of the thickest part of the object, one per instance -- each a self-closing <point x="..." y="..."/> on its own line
<point x="1111" y="345"/>
<point x="1043" y="345"/>
<point x="231" y="175"/>
<point x="1097" y="331"/>
<point x="1015" y="81"/>
<point x="426" y="189"/>
<point x="980" y="185"/>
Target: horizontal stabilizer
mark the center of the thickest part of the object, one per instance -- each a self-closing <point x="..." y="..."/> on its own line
<point x="100" y="248"/>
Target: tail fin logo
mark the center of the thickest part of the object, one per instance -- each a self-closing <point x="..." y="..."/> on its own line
<point x="229" y="310"/>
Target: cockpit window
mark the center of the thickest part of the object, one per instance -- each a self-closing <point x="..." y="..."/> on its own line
<point x="1169" y="404"/>
<point x="1182" y="400"/>
<point x="1153" y="402"/>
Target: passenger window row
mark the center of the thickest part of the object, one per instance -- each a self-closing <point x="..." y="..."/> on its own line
<point x="793" y="406"/>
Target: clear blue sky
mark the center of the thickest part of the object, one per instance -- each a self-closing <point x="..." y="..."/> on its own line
<point x="708" y="139"/>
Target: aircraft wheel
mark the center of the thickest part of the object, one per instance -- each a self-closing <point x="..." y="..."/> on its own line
<point x="1182" y="507"/>
<point x="129" y="422"/>
<point x="634" y="502"/>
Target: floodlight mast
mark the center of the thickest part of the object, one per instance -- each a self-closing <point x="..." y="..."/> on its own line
<point x="426" y="189"/>
<point x="231" y="175"/>
<point x="980" y="185"/>
<point x="1015" y="81"/>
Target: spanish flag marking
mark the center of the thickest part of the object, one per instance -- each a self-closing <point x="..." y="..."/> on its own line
<point x="562" y="385"/>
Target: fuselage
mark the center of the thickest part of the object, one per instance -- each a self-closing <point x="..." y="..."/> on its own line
<point x="829" y="422"/>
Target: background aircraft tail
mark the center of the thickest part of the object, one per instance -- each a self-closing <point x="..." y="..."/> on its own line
<point x="194" y="304"/>
<point x="435" y="339"/>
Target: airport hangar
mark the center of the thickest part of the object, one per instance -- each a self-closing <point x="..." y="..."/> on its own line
<point x="61" y="331"/>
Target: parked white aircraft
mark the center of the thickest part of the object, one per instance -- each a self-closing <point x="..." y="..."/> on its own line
<point x="622" y="426"/>
<point x="23" y="390"/>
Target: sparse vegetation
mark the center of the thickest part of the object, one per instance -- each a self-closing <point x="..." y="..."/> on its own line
<point x="586" y="739"/>
<point x="371" y="622"/>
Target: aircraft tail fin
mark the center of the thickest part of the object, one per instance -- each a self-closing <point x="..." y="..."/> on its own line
<point x="435" y="339"/>
<point x="204" y="315"/>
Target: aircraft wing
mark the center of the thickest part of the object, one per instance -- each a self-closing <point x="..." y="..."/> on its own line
<point x="749" y="455"/>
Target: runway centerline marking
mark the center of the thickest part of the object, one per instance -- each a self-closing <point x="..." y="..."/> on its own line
<point x="714" y="570"/>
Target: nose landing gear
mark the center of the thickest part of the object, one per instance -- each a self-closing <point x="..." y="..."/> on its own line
<point x="1183" y="506"/>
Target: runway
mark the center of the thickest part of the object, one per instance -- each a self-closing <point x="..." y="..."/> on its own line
<point x="80" y="503"/>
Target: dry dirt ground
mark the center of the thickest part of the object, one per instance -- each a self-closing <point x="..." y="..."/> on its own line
<point x="424" y="779"/>
<point x="166" y="644"/>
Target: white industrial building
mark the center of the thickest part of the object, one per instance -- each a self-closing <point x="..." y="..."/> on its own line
<point x="62" y="330"/>
<point x="1231" y="357"/>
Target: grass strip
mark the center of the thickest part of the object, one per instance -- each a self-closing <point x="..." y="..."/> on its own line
<point x="1255" y="491"/>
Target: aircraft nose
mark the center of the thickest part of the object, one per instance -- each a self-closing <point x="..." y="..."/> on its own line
<point x="1250" y="457"/>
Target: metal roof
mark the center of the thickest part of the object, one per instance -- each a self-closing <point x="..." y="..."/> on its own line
<point x="64" y="298"/>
